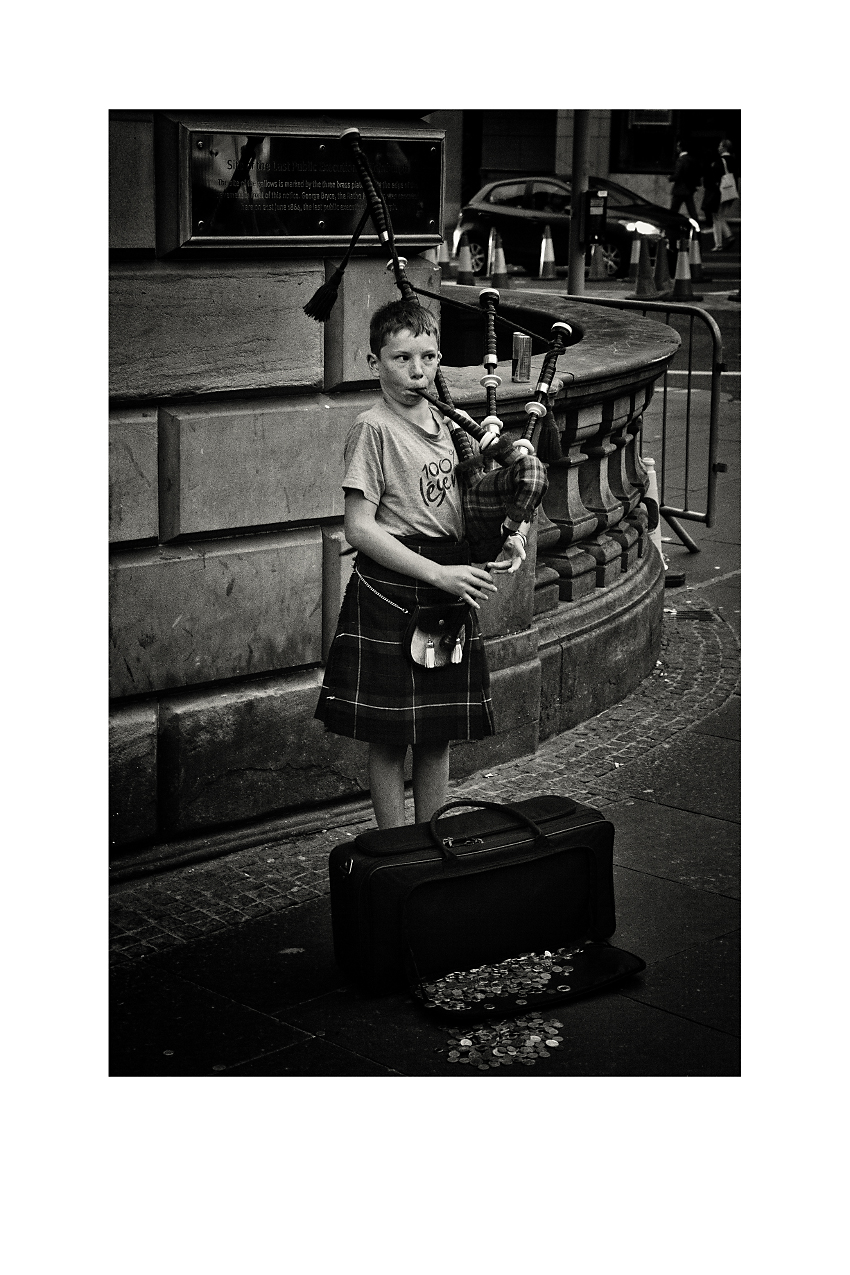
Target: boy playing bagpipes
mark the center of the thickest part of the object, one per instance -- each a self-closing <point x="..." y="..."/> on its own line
<point x="407" y="666"/>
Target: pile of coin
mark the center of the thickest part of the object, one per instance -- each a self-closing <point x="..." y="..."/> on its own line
<point x="518" y="978"/>
<point x="522" y="1040"/>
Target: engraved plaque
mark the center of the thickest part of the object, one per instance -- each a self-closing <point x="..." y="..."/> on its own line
<point x="289" y="190"/>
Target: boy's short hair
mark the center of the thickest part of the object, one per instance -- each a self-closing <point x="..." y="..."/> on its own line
<point x="398" y="316"/>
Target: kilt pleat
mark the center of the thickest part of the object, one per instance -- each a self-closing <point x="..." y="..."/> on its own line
<point x="372" y="690"/>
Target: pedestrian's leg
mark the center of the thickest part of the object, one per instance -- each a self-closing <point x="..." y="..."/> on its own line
<point x="717" y="231"/>
<point x="386" y="783"/>
<point x="430" y="779"/>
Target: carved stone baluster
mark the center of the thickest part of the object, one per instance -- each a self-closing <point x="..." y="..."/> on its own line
<point x="563" y="500"/>
<point x="619" y="478"/>
<point x="635" y="468"/>
<point x="596" y="493"/>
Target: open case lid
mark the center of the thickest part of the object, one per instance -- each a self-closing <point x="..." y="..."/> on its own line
<point x="490" y="991"/>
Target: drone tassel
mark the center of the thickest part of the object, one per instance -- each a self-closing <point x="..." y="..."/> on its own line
<point x="549" y="442"/>
<point x="324" y="299"/>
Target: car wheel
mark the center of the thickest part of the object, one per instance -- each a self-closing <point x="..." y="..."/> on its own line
<point x="478" y="256"/>
<point x="613" y="259"/>
<point x="616" y="265"/>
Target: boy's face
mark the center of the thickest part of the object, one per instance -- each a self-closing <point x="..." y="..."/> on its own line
<point x="406" y="362"/>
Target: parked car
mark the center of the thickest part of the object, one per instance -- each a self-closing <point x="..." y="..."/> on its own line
<point x="521" y="207"/>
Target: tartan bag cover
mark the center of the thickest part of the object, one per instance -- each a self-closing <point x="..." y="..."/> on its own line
<point x="506" y="495"/>
<point x="372" y="691"/>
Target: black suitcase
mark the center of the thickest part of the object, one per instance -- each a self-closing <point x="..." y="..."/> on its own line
<point x="416" y="902"/>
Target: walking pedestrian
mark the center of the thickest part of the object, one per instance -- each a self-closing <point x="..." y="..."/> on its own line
<point x="686" y="178"/>
<point x="720" y="194"/>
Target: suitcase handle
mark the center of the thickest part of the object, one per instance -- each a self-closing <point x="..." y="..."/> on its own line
<point x="449" y="854"/>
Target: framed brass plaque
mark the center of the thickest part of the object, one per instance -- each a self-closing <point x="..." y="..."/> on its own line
<point x="285" y="190"/>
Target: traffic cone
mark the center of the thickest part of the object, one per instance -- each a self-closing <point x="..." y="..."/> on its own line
<point x="645" y="289"/>
<point x="682" y="289"/>
<point x="695" y="261"/>
<point x="445" y="262"/>
<point x="673" y="578"/>
<point x="597" y="263"/>
<point x="499" y="278"/>
<point x="651" y="501"/>
<point x="464" y="262"/>
<point x="634" y="263"/>
<point x="547" y="256"/>
<point x="663" y="281"/>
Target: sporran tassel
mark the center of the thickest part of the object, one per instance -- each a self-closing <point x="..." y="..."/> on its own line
<point x="429" y="654"/>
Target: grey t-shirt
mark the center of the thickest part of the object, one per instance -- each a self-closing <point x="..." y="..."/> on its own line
<point x="407" y="472"/>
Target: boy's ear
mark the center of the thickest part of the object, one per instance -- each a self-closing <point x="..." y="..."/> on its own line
<point x="373" y="363"/>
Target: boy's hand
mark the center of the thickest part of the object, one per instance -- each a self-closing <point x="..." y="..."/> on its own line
<point x="470" y="584"/>
<point x="514" y="548"/>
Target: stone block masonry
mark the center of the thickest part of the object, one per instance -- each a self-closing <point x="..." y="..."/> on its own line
<point x="253" y="464"/>
<point x="133" y="512"/>
<point x="182" y="616"/>
<point x="229" y="755"/>
<point x="133" y="773"/>
<point x="208" y="328"/>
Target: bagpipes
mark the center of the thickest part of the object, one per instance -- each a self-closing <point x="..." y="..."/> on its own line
<point x="488" y="434"/>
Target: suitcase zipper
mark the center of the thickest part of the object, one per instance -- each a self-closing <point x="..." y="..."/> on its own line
<point x="471" y="853"/>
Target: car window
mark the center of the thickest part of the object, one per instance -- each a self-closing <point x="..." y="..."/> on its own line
<point x="619" y="198"/>
<point x="549" y="197"/>
<point x="510" y="194"/>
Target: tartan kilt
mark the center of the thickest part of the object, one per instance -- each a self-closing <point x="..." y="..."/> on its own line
<point x="373" y="691"/>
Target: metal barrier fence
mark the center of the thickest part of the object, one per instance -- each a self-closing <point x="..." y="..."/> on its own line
<point x="672" y="513"/>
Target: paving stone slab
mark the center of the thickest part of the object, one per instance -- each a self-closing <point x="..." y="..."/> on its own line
<point x="723" y="593"/>
<point x="657" y="918"/>
<point x="161" y="1026"/>
<point x="725" y="722"/>
<point x="702" y="984"/>
<point x="311" y="1057"/>
<point x="700" y="774"/>
<point x="389" y="1030"/>
<point x="266" y="964"/>
<point x="694" y="850"/>
<point x="606" y="1035"/>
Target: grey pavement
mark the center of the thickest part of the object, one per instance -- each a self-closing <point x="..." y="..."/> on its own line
<point x="225" y="967"/>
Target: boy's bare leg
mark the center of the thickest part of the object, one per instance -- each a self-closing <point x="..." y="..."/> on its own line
<point x="430" y="779"/>
<point x="386" y="782"/>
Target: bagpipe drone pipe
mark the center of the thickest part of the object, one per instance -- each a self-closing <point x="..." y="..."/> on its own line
<point x="540" y="434"/>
